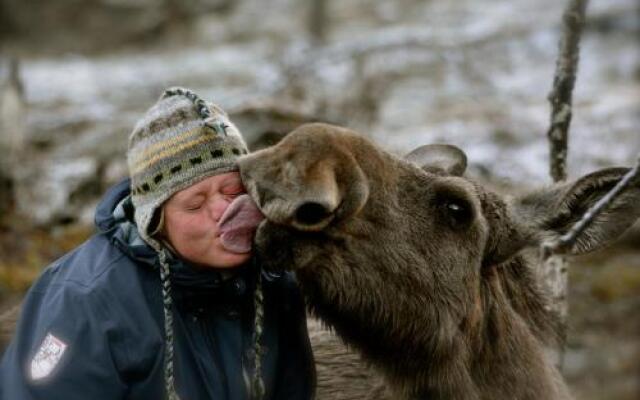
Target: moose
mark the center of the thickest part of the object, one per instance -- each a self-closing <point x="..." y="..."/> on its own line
<point x="422" y="271"/>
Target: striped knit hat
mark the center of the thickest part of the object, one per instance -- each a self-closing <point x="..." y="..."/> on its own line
<point x="182" y="140"/>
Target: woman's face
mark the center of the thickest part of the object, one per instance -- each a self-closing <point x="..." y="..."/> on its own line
<point x="191" y="221"/>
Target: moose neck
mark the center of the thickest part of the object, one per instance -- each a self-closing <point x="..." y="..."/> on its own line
<point x="510" y="359"/>
<point x="492" y="357"/>
<point x="413" y="357"/>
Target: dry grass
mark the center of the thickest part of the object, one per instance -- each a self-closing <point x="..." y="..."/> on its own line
<point x="617" y="281"/>
<point x="26" y="250"/>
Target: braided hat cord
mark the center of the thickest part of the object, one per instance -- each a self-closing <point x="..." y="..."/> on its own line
<point x="168" y="325"/>
<point x="257" y="382"/>
<point x="201" y="105"/>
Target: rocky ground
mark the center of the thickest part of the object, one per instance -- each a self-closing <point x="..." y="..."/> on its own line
<point x="471" y="73"/>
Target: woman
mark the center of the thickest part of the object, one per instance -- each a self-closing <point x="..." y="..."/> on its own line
<point x="165" y="301"/>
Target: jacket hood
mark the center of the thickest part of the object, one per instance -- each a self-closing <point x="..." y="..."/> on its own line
<point x="114" y="218"/>
<point x="104" y="218"/>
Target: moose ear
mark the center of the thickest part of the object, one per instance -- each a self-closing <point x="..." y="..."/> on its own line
<point x="439" y="158"/>
<point x="553" y="211"/>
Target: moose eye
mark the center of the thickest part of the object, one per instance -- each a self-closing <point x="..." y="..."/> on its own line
<point x="457" y="213"/>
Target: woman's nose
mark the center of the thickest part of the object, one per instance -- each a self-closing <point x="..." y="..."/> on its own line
<point x="217" y="208"/>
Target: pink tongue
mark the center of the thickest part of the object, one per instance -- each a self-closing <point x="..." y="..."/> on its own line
<point x="238" y="224"/>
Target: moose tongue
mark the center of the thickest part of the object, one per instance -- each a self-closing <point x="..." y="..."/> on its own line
<point x="238" y="224"/>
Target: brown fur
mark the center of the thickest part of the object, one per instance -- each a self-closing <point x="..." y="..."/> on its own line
<point x="418" y="269"/>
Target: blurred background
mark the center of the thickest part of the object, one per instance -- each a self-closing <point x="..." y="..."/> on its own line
<point x="75" y="75"/>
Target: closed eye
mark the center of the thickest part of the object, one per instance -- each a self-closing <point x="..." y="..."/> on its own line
<point x="194" y="207"/>
<point x="233" y="190"/>
<point x="195" y="204"/>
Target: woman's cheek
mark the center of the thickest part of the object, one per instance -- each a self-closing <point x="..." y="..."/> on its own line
<point x="195" y="226"/>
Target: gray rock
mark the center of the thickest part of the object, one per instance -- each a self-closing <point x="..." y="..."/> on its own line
<point x="54" y="191"/>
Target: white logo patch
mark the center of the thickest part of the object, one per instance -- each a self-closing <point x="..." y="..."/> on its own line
<point x="47" y="357"/>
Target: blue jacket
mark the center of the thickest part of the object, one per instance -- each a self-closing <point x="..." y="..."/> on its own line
<point x="92" y="326"/>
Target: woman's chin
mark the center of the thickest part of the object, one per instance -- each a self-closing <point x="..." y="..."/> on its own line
<point x="228" y="259"/>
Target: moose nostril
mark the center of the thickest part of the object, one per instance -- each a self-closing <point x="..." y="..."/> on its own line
<point x="312" y="213"/>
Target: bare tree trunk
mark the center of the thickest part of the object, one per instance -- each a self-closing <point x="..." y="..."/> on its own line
<point x="12" y="131"/>
<point x="555" y="267"/>
<point x="318" y="21"/>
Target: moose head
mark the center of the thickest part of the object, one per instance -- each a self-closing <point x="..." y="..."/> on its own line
<point x="420" y="269"/>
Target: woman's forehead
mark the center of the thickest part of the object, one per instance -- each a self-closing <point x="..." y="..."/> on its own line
<point x="214" y="182"/>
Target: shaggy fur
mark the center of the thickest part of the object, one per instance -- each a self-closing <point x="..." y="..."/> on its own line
<point x="418" y="268"/>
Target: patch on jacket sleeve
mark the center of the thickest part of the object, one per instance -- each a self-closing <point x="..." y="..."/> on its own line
<point x="47" y="357"/>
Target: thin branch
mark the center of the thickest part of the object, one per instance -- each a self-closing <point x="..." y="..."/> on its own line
<point x="566" y="241"/>
<point x="310" y="59"/>
<point x="555" y="267"/>
<point x="563" y="83"/>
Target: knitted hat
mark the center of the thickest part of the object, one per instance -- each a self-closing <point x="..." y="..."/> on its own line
<point x="180" y="141"/>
